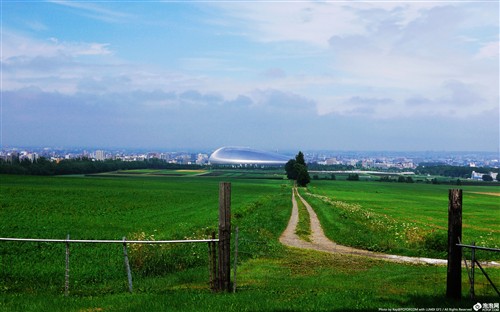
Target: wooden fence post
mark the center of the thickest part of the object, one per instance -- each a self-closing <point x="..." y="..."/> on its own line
<point x="224" y="276"/>
<point x="454" y="272"/>
<point x="212" y="264"/>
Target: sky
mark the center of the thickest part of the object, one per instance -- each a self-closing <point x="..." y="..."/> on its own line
<point x="310" y="75"/>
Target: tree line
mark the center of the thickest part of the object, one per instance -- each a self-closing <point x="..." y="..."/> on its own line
<point x="43" y="166"/>
<point x="451" y="171"/>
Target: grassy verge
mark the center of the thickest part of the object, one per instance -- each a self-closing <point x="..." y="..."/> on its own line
<point x="303" y="229"/>
<point x="407" y="219"/>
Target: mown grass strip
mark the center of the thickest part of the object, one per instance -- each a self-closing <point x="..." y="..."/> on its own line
<point x="303" y="229"/>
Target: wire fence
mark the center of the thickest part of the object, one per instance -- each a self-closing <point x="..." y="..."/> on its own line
<point x="100" y="266"/>
<point x="109" y="266"/>
<point x="38" y="263"/>
<point x="473" y="263"/>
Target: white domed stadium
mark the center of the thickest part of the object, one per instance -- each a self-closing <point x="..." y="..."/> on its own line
<point x="246" y="156"/>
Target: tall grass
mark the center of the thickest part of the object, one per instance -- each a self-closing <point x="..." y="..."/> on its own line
<point x="407" y="219"/>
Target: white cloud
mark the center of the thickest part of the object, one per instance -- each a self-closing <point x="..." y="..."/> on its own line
<point x="94" y="11"/>
<point x="184" y="120"/>
<point x="309" y="22"/>
<point x="315" y="22"/>
<point x="349" y="57"/>
<point x="373" y="50"/>
<point x="420" y="58"/>
<point x="16" y="44"/>
<point x="489" y="50"/>
<point x="92" y="49"/>
<point x="51" y="64"/>
<point x="36" y="25"/>
<point x="62" y="66"/>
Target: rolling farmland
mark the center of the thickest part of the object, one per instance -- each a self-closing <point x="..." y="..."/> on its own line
<point x="139" y="206"/>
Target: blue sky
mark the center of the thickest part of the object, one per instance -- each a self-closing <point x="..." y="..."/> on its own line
<point x="338" y="75"/>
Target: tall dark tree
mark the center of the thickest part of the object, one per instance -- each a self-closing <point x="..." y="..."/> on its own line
<point x="296" y="169"/>
<point x="299" y="158"/>
<point x="291" y="174"/>
<point x="303" y="177"/>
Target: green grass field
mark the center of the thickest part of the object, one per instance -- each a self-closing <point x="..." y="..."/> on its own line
<point x="408" y="219"/>
<point x="166" y="278"/>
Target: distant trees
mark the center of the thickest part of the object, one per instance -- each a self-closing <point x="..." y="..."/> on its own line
<point x="400" y="179"/>
<point x="353" y="177"/>
<point x="406" y="179"/>
<point x="487" y="178"/>
<point x="296" y="169"/>
<point x="43" y="166"/>
<point x="438" y="169"/>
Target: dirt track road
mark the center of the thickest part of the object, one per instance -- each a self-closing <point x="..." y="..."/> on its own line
<point x="321" y="243"/>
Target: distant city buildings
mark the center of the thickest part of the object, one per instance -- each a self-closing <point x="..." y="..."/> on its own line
<point x="202" y="159"/>
<point x="369" y="163"/>
<point x="478" y="176"/>
<point x="14" y="156"/>
<point x="32" y="157"/>
<point x="100" y="155"/>
<point x="359" y="160"/>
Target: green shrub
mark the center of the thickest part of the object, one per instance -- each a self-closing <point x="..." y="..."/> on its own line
<point x="436" y="241"/>
<point x="161" y="259"/>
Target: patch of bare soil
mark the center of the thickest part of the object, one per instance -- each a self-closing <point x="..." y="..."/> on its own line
<point x="486" y="193"/>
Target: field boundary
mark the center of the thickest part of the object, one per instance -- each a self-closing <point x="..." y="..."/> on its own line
<point x="106" y="241"/>
<point x="211" y="252"/>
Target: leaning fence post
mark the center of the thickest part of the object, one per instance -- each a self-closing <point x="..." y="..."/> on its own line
<point x="224" y="276"/>
<point x="66" y="274"/>
<point x="127" y="265"/>
<point x="454" y="271"/>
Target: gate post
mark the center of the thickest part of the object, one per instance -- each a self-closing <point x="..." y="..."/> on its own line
<point x="454" y="272"/>
<point x="224" y="276"/>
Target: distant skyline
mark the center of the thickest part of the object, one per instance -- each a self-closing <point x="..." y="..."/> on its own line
<point x="278" y="75"/>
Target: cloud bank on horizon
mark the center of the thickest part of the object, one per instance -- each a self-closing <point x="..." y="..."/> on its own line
<point x="368" y="75"/>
